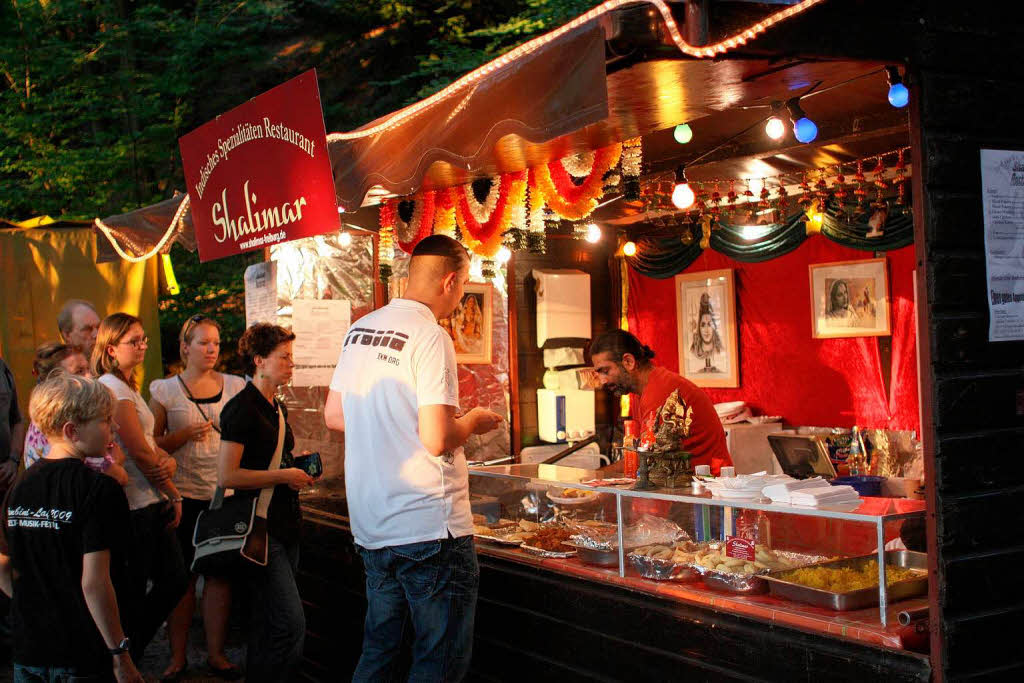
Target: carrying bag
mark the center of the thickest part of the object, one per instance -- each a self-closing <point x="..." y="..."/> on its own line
<point x="232" y="533"/>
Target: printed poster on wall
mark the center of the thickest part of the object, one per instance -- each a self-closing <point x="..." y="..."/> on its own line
<point x="259" y="174"/>
<point x="261" y="293"/>
<point x="1002" y="185"/>
<point x="320" y="326"/>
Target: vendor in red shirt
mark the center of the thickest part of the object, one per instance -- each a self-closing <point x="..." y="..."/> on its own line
<point x="624" y="366"/>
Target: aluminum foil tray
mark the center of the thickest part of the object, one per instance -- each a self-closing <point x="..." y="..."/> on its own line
<point x="858" y="599"/>
<point x="662" y="570"/>
<point x="751" y="584"/>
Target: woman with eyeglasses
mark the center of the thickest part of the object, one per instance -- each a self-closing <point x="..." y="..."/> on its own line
<point x="153" y="498"/>
<point x="187" y="410"/>
<point x="50" y="358"/>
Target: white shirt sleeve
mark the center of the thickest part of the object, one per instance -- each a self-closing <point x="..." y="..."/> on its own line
<point x="120" y="390"/>
<point x="434" y="370"/>
<point x="157" y="390"/>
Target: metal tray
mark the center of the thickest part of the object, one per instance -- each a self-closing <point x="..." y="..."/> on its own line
<point x="601" y="558"/>
<point x="751" y="584"/>
<point x="540" y="552"/>
<point x="858" y="599"/>
<point x="662" y="570"/>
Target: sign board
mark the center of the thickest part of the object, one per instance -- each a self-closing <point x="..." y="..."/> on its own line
<point x="259" y="174"/>
<point x="1002" y="186"/>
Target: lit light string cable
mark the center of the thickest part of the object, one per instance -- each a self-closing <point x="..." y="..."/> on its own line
<point x="171" y="232"/>
<point x="529" y="47"/>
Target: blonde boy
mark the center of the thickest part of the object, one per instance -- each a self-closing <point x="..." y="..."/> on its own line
<point x="65" y="531"/>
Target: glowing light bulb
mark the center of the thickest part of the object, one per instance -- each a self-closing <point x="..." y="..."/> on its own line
<point x="682" y="196"/>
<point x="899" y="96"/>
<point x="345" y="239"/>
<point x="629" y="248"/>
<point x="775" y="128"/>
<point x="503" y="255"/>
<point x="805" y="130"/>
<point x="683" y="133"/>
<point x="341" y="209"/>
<point x="593" y="233"/>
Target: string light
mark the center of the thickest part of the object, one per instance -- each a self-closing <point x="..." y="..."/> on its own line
<point x="593" y="233"/>
<point x="345" y="239"/>
<point x="171" y="231"/>
<point x="774" y="127"/>
<point x="682" y="194"/>
<point x="503" y="255"/>
<point x="683" y="133"/>
<point x="804" y="129"/>
<point x="629" y="248"/>
<point x="736" y="40"/>
<point x="899" y="96"/>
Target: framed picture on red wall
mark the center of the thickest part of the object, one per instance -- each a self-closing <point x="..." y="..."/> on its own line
<point x="850" y="299"/>
<point x="471" y="324"/>
<point x="706" y="311"/>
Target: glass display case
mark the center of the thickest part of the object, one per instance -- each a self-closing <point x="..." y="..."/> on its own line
<point x="832" y="559"/>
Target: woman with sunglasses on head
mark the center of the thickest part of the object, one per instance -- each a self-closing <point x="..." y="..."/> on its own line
<point x="152" y="496"/>
<point x="187" y="410"/>
<point x="50" y="358"/>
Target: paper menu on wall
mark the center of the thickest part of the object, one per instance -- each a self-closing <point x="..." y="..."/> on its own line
<point x="320" y="326"/>
<point x="261" y="293"/>
<point x="1002" y="185"/>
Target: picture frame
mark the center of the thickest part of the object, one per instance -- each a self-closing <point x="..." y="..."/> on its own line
<point x="472" y="324"/>
<point x="850" y="299"/>
<point x="708" y="338"/>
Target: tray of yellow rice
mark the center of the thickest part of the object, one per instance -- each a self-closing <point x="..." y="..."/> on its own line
<point x="852" y="583"/>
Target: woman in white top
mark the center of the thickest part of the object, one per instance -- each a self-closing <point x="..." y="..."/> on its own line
<point x="187" y="411"/>
<point x="152" y="496"/>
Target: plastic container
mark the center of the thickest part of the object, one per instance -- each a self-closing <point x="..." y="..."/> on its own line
<point x="865" y="485"/>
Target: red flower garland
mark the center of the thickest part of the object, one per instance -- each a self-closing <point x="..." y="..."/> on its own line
<point x="488" y="233"/>
<point x="569" y="191"/>
<point x="426" y="226"/>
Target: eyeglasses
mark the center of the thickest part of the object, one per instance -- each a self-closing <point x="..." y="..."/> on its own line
<point x="137" y="343"/>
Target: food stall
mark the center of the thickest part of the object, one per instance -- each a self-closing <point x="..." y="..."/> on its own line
<point x="760" y="155"/>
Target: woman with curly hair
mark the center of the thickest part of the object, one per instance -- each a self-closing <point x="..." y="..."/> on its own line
<point x="250" y="426"/>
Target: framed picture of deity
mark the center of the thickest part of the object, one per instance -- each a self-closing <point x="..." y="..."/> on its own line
<point x="471" y="324"/>
<point x="849" y="299"/>
<point x="708" y="337"/>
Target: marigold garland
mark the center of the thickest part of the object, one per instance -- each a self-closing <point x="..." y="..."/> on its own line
<point x="555" y="187"/>
<point x="490" y="233"/>
<point x="422" y="223"/>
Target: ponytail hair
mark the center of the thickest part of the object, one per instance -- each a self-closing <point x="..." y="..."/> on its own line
<point x="619" y="342"/>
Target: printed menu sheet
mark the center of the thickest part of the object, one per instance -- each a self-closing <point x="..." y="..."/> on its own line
<point x="320" y="326"/>
<point x="1002" y="184"/>
<point x="261" y="293"/>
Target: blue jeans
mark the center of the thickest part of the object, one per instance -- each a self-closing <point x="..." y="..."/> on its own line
<point x="55" y="674"/>
<point x="436" y="582"/>
<point x="278" y="629"/>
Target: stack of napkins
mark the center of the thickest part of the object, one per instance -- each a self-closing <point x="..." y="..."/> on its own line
<point x="824" y="496"/>
<point x="780" y="492"/>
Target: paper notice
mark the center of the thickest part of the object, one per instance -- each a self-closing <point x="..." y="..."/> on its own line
<point x="320" y="326"/>
<point x="261" y="293"/>
<point x="1002" y="184"/>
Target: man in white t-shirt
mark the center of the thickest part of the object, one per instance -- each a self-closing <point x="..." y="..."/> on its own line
<point x="395" y="394"/>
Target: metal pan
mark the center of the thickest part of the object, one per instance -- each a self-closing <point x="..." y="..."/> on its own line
<point x="662" y="570"/>
<point x="858" y="599"/>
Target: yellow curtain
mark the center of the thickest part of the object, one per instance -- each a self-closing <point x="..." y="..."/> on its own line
<point x="41" y="268"/>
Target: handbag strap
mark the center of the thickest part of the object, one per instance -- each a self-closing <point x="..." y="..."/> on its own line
<point x="263" y="502"/>
<point x="196" y="404"/>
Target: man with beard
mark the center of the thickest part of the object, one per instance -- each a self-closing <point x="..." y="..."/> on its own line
<point x="624" y="366"/>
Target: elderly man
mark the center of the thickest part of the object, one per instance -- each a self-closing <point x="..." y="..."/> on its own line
<point x="78" y="323"/>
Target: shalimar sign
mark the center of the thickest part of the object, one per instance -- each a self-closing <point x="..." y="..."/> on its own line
<point x="259" y="174"/>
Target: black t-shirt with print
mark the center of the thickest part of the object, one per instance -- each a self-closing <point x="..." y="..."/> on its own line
<point x="57" y="513"/>
<point x="249" y="419"/>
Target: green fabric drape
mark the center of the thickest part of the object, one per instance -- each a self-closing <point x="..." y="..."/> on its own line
<point x="664" y="257"/>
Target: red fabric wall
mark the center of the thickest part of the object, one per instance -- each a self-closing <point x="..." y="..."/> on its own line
<point x="783" y="370"/>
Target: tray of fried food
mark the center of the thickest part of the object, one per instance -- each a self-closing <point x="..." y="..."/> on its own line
<point x="506" y="531"/>
<point x="666" y="562"/>
<point x="549" y="541"/>
<point x="738" y="575"/>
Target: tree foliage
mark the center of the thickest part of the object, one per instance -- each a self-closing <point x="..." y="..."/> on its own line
<point x="94" y="94"/>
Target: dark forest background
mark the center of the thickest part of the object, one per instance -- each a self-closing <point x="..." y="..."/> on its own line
<point x="94" y="95"/>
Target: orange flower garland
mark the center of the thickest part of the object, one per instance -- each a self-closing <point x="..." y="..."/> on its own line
<point x="422" y="221"/>
<point x="490" y="234"/>
<point x="554" y="185"/>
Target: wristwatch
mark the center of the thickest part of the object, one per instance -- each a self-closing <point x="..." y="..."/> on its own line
<point x="121" y="648"/>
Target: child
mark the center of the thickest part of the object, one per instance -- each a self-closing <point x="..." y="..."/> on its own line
<point x="65" y="535"/>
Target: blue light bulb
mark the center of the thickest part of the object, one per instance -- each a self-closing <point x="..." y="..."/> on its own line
<point x="898" y="95"/>
<point x="683" y="133"/>
<point x="805" y="130"/>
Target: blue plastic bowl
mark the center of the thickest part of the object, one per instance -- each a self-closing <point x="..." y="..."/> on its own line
<point x="864" y="485"/>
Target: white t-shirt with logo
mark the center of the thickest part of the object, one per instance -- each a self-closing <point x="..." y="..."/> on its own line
<point x="394" y="361"/>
